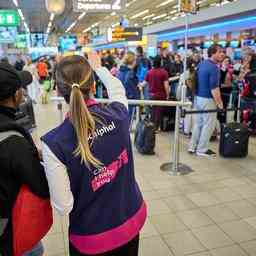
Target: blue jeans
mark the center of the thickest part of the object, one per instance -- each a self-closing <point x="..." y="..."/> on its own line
<point x="38" y="250"/>
<point x="204" y="125"/>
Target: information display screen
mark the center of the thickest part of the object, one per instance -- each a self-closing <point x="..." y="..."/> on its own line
<point x="37" y="39"/>
<point x="234" y="44"/>
<point x="208" y="44"/>
<point x="68" y="43"/>
<point x="21" y="41"/>
<point x="8" y="35"/>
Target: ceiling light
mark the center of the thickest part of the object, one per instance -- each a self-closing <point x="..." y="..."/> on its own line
<point x="55" y="6"/>
<point x="131" y="2"/>
<point x="139" y="14"/>
<point x="173" y="12"/>
<point x="21" y="14"/>
<point x="160" y="16"/>
<point x="148" y="16"/>
<point x="15" y="2"/>
<point x="81" y="16"/>
<point x="165" y="3"/>
<point x="115" y="25"/>
<point x="26" y="27"/>
<point x="71" y="26"/>
<point x="95" y="25"/>
<point x="87" y="30"/>
<point x="113" y="14"/>
<point x="52" y="16"/>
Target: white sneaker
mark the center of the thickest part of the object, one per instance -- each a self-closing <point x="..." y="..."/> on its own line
<point x="208" y="153"/>
<point x="191" y="151"/>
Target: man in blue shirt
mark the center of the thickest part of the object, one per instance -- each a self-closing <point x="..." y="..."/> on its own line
<point x="207" y="97"/>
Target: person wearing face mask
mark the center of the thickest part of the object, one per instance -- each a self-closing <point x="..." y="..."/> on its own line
<point x="128" y="77"/>
<point x="19" y="158"/>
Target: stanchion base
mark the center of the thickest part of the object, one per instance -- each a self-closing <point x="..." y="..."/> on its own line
<point x="182" y="169"/>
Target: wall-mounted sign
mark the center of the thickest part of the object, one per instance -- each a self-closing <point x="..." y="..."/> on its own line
<point x="9" y="18"/>
<point x="98" y="5"/>
<point x="188" y="6"/>
<point x="125" y="34"/>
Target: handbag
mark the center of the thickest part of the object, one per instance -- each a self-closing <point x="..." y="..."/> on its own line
<point x="32" y="219"/>
<point x="32" y="216"/>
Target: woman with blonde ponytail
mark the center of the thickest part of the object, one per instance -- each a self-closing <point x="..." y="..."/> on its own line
<point x="89" y="164"/>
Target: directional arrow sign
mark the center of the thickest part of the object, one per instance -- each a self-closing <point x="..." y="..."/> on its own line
<point x="96" y="6"/>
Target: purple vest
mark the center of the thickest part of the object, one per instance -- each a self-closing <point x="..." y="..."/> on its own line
<point x="109" y="210"/>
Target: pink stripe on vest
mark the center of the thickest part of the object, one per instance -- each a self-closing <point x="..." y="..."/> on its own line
<point x="112" y="239"/>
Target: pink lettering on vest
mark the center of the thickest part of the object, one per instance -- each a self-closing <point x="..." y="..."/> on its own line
<point x="109" y="173"/>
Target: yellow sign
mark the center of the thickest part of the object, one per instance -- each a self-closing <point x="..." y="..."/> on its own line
<point x="125" y="34"/>
<point x="188" y="6"/>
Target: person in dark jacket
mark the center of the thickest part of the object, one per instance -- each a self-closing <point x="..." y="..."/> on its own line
<point x="19" y="157"/>
<point x="166" y="62"/>
<point x="109" y="61"/>
<point x="129" y="78"/>
<point x="19" y="64"/>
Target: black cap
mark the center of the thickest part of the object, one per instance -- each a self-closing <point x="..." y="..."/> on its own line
<point x="11" y="80"/>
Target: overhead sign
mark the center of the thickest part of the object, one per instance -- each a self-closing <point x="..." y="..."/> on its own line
<point x="126" y="34"/>
<point x="188" y="6"/>
<point x="9" y="18"/>
<point x="98" y="5"/>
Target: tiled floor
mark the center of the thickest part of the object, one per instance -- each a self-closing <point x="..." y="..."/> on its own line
<point x="210" y="212"/>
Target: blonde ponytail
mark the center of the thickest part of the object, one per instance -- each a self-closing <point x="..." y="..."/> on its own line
<point x="84" y="125"/>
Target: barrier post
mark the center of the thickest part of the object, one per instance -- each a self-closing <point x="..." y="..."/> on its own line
<point x="175" y="167"/>
<point x="60" y="108"/>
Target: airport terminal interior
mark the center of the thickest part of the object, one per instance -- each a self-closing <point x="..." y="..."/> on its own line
<point x="194" y="152"/>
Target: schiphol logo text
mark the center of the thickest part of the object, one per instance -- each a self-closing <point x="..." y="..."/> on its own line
<point x="102" y="131"/>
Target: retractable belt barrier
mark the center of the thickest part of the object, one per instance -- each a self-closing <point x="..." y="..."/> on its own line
<point x="174" y="167"/>
<point x="185" y="112"/>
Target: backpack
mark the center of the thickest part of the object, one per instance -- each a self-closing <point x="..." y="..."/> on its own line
<point x="249" y="90"/>
<point x="145" y="137"/>
<point x="29" y="211"/>
<point x="191" y="83"/>
<point x="249" y="119"/>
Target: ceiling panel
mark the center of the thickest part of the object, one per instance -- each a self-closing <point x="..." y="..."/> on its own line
<point x="37" y="16"/>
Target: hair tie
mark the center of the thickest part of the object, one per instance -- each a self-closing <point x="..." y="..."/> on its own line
<point x="75" y="86"/>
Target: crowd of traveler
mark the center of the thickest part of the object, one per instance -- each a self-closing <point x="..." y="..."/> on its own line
<point x="86" y="164"/>
<point x="81" y="179"/>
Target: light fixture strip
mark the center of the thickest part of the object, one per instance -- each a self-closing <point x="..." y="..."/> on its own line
<point x="160" y="16"/>
<point x="139" y="14"/>
<point x="165" y="3"/>
<point x="15" y="3"/>
<point x="52" y="16"/>
<point x="21" y="14"/>
<point x="81" y="16"/>
<point x="148" y="16"/>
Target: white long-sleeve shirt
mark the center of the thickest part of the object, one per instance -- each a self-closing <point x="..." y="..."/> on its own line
<point x="56" y="172"/>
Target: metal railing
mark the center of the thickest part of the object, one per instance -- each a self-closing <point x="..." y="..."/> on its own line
<point x="175" y="167"/>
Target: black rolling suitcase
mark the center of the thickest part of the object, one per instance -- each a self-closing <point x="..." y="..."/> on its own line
<point x="168" y="119"/>
<point x="234" y="140"/>
<point x="145" y="137"/>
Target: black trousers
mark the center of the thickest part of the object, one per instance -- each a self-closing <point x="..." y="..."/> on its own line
<point x="130" y="249"/>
